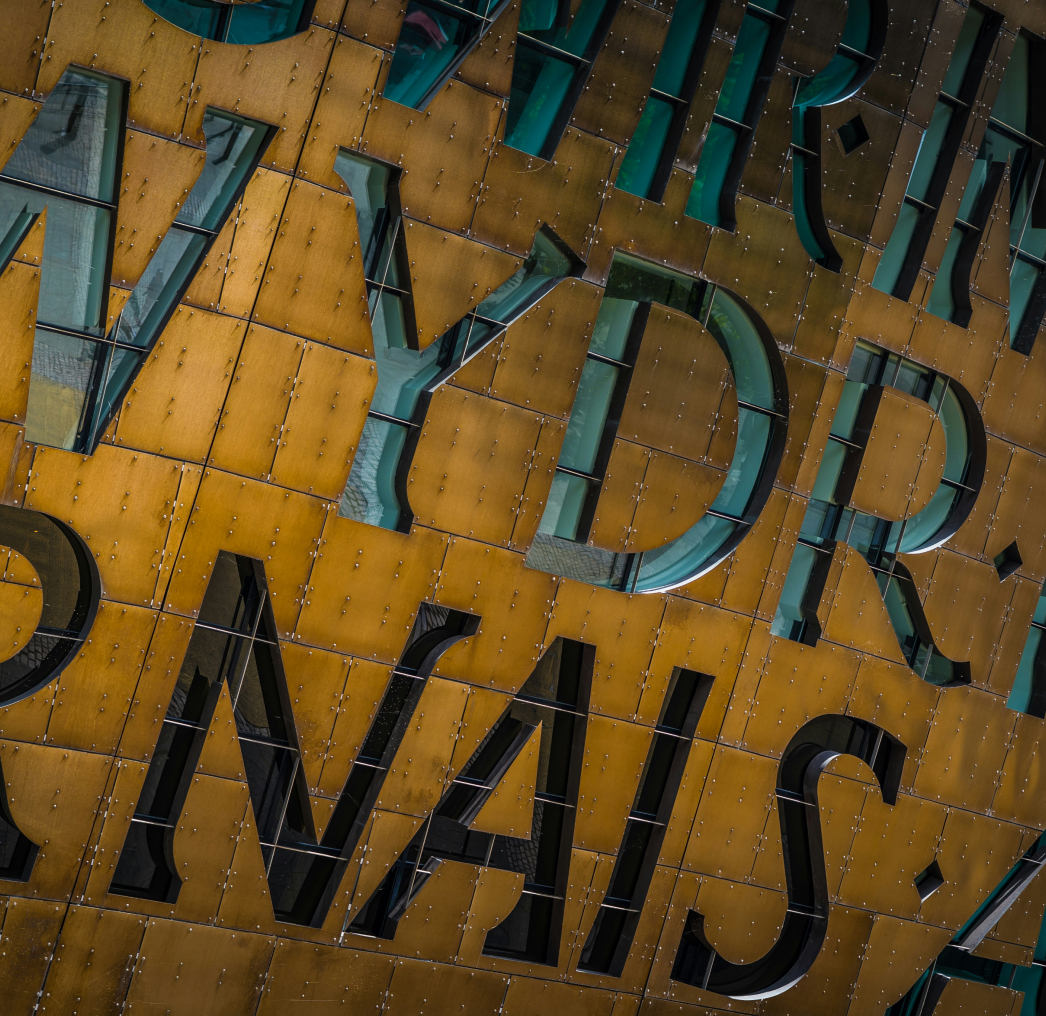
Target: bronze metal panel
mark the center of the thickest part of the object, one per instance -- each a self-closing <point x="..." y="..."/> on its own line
<point x="157" y="59"/>
<point x="378" y="24"/>
<point x="798" y="683"/>
<point x="615" y="754"/>
<point x="539" y="362"/>
<point x="892" y="457"/>
<point x="52" y="795"/>
<point x="768" y="869"/>
<point x="21" y="604"/>
<point x="962" y="996"/>
<point x="931" y="469"/>
<point x="965" y="749"/>
<point x="471" y="464"/>
<point x="432" y="924"/>
<point x="96" y="948"/>
<point x="782" y="557"/>
<point x="1014" y="636"/>
<point x="95" y="691"/>
<point x="176" y="400"/>
<point x="245" y="893"/>
<point x="30" y="932"/>
<point x="419" y="769"/>
<point x="341" y="111"/>
<point x="280" y="527"/>
<point x="1021" y="924"/>
<point x="349" y="599"/>
<point x="1015" y="516"/>
<point x="619" y="496"/>
<point x="17" y="114"/>
<point x="313" y="282"/>
<point x="275" y="83"/>
<point x="444" y="148"/>
<point x="893" y="844"/>
<point x="818" y="336"/>
<point x="321" y="980"/>
<point x="675" y="494"/>
<point x="623" y="630"/>
<point x="257" y="402"/>
<point x="156" y="177"/>
<point x="205" y="290"/>
<point x="450" y="275"/>
<point x="991" y="270"/>
<point x="227" y="968"/>
<point x="974" y="854"/>
<point x="180" y="510"/>
<point x="681" y="389"/>
<point x="417" y="986"/>
<point x="565" y="193"/>
<point x="483" y="709"/>
<point x="813" y="394"/>
<point x="814" y="32"/>
<point x="713" y="72"/>
<point x="741" y="921"/>
<point x="771" y="146"/>
<point x="732" y="720"/>
<point x="688" y="797"/>
<point x="730" y="820"/>
<point x="260" y="213"/>
<point x="385" y="841"/>
<point x="316" y="449"/>
<point x="895" y="957"/>
<point x="526" y="995"/>
<point x="116" y="500"/>
<point x="509" y="811"/>
<point x="497" y="892"/>
<point x="748" y="584"/>
<point x="840" y="800"/>
<point x="221" y="755"/>
<point x="901" y="163"/>
<point x="20" y="290"/>
<point x="1005" y="952"/>
<point x="613" y="97"/>
<point x="764" y="263"/>
<point x="1018" y="798"/>
<point x="489" y="65"/>
<point x="26" y="28"/>
<point x="973" y="534"/>
<point x="513" y="603"/>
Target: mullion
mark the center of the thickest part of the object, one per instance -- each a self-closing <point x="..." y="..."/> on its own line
<point x="41" y="188"/>
<point x="562" y="54"/>
<point x="668" y="97"/>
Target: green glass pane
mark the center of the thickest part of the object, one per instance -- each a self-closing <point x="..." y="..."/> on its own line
<point x="72" y="144"/>
<point x="645" y="149"/>
<point x="610" y="332"/>
<point x="940" y="301"/>
<point x="201" y="17"/>
<point x="900" y="617"/>
<point x="830" y="84"/>
<point x="800" y="169"/>
<point x="736" y="335"/>
<point x="232" y="149"/>
<point x="712" y="168"/>
<point x="540" y="84"/>
<point x="857" y="31"/>
<point x="890" y="263"/>
<point x="579" y="37"/>
<point x="121" y="364"/>
<point x="924" y="526"/>
<point x="264" y="21"/>
<point x="960" y="60"/>
<point x="545" y="263"/>
<point x="743" y="68"/>
<point x="370" y="494"/>
<point x="64" y="370"/>
<point x="929" y="150"/>
<point x="849" y="404"/>
<point x="789" y="608"/>
<point x="1039" y="616"/>
<point x="1022" y="282"/>
<point x="566" y="499"/>
<point x="679" y="46"/>
<point x="684" y="558"/>
<point x="368" y="183"/>
<point x="641" y="281"/>
<point x="429" y="42"/>
<point x="957" y="452"/>
<point x="753" y="438"/>
<point x="538" y="15"/>
<point x="588" y="417"/>
<point x="828" y="473"/>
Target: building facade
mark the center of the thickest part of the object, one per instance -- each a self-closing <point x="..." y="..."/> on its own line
<point x="519" y="506"/>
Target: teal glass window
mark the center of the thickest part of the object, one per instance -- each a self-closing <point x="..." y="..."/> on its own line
<point x="244" y="23"/>
<point x="1028" y="694"/>
<point x="648" y="162"/>
<point x="903" y="256"/>
<point x="406" y="377"/>
<point x="737" y="113"/>
<point x="550" y="68"/>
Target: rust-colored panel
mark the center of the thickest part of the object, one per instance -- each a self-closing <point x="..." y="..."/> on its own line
<point x="95" y="690"/>
<point x="674" y="496"/>
<point x="26" y="27"/>
<point x="313" y="284"/>
<point x="205" y="290"/>
<point x="450" y="275"/>
<point x="961" y="996"/>
<point x="619" y="496"/>
<point x="227" y="969"/>
<point x="1018" y="799"/>
<point x="732" y="814"/>
<point x="221" y="755"/>
<point x="175" y="402"/>
<point x="798" y="683"/>
<point x="471" y="464"/>
<point x="157" y="59"/>
<point x="316" y="449"/>
<point x="256" y="405"/>
<point x="323" y="980"/>
<point x="509" y="811"/>
<point x="497" y="893"/>
<point x="30" y="931"/>
<point x="418" y="987"/>
<point x="812" y="397"/>
<point x="742" y="921"/>
<point x="612" y="100"/>
<point x="543" y="352"/>
<point x="513" y="603"/>
<point x="713" y="73"/>
<point x="489" y="65"/>
<point x="341" y="110"/>
<point x="378" y="24"/>
<point x="615" y="754"/>
<point x="817" y="335"/>
<point x="973" y="533"/>
<point x="1023" y="921"/>
<point x="385" y="841"/>
<point x="482" y="711"/>
<point x="1015" y="517"/>
<point x="156" y="177"/>
<point x="564" y="193"/>
<point x="116" y="500"/>
<point x="349" y="599"/>
<point x="444" y="148"/>
<point x="747" y="585"/>
<point x="275" y="83"/>
<point x="771" y="145"/>
<point x="539" y="483"/>
<point x="432" y="923"/>
<point x="991" y="271"/>
<point x="21" y="604"/>
<point x="527" y="995"/>
<point x="178" y="512"/>
<point x="245" y="895"/>
<point x="96" y="948"/>
<point x="20" y="290"/>
<point x="415" y="779"/>
<point x="965" y="749"/>
<point x="16" y="114"/>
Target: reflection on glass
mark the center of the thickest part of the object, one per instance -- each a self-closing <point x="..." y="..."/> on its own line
<point x="429" y="41"/>
<point x="62" y="372"/>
